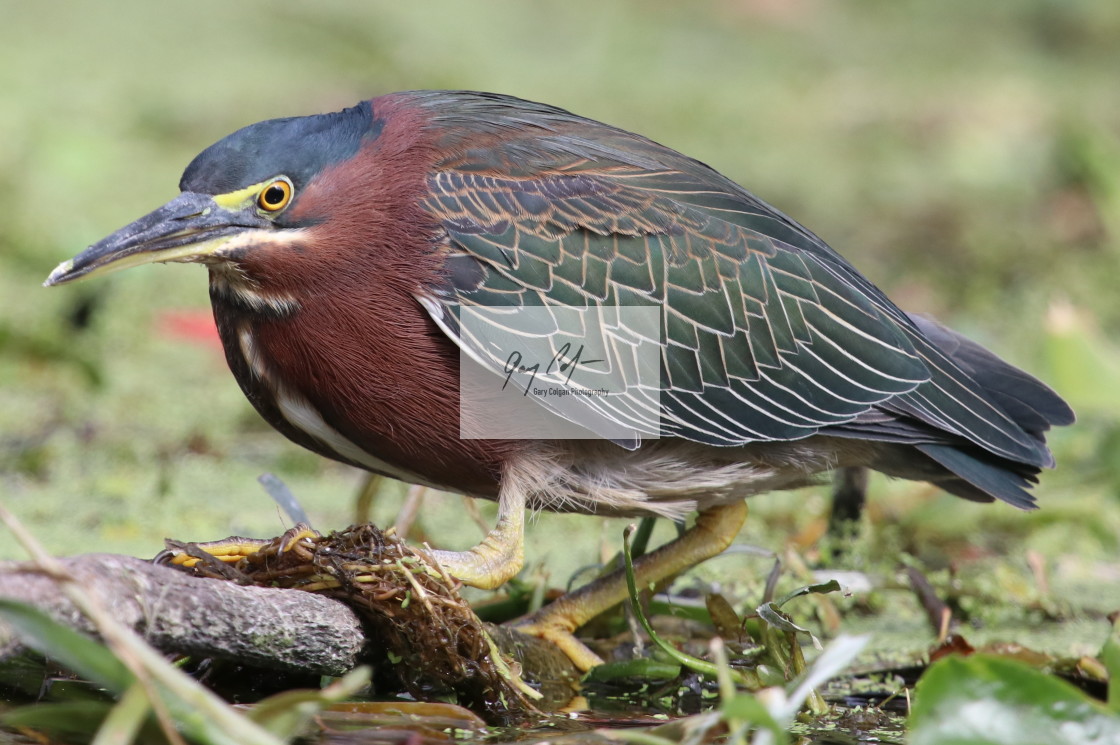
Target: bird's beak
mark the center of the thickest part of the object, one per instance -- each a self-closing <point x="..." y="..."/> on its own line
<point x="191" y="227"/>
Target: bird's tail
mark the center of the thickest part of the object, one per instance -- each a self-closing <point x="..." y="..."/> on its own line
<point x="978" y="473"/>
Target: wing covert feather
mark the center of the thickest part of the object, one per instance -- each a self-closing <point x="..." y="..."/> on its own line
<point x="759" y="341"/>
<point x="767" y="333"/>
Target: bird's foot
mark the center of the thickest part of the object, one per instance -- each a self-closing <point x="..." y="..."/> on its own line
<point x="500" y="555"/>
<point x="230" y="550"/>
<point x="556" y="623"/>
<point x="487" y="566"/>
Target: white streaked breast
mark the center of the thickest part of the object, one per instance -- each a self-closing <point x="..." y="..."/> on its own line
<point x="301" y="414"/>
<point x="235" y="288"/>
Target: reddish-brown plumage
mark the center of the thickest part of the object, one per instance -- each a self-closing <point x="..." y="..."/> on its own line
<point x="360" y="347"/>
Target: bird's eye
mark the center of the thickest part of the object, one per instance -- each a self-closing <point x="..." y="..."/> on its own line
<point x="275" y="196"/>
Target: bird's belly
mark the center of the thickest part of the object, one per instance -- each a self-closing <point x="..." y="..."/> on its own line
<point x="672" y="477"/>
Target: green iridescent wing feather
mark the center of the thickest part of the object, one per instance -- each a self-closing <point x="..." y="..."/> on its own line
<point x="767" y="333"/>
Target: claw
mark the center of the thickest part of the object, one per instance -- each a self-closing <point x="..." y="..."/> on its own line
<point x="233" y="549"/>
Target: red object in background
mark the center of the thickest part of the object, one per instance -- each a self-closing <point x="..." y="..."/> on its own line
<point x="954" y="644"/>
<point x="192" y="326"/>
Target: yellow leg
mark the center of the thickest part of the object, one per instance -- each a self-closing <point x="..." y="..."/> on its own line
<point x="233" y="549"/>
<point x="501" y="554"/>
<point x="714" y="531"/>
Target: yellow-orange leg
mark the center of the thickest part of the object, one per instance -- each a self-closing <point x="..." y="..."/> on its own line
<point x="501" y="553"/>
<point x="714" y="531"/>
<point x="233" y="549"/>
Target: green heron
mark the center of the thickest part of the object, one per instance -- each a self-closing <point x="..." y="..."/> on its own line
<point x="340" y="246"/>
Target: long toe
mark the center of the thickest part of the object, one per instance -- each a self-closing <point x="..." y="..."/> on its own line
<point x="558" y="625"/>
<point x="714" y="530"/>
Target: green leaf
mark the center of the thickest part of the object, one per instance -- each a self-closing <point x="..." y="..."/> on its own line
<point x="768" y="612"/>
<point x="72" y="650"/>
<point x="289" y="713"/>
<point x="983" y="700"/>
<point x="78" y="719"/>
<point x="124" y="721"/>
<point x="749" y="709"/>
<point x="196" y="712"/>
<point x="822" y="588"/>
<point x="742" y="677"/>
<point x="835" y="659"/>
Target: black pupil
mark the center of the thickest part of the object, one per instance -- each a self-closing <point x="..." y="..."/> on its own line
<point x="274" y="195"/>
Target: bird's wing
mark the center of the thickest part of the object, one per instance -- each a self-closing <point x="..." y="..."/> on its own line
<point x="766" y="333"/>
<point x="759" y="339"/>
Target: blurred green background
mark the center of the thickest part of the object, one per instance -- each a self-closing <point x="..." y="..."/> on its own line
<point x="965" y="156"/>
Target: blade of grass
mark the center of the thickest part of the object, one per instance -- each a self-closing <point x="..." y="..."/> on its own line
<point x="125" y="719"/>
<point x="195" y="709"/>
<point x="72" y="650"/>
<point x="1110" y="656"/>
<point x="696" y="664"/>
<point x="290" y="712"/>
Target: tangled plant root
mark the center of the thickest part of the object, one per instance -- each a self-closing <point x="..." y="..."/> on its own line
<point x="425" y="639"/>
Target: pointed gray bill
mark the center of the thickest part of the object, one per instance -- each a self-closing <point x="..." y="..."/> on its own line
<point x="191" y="227"/>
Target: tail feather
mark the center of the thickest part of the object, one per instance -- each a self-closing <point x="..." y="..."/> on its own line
<point x="975" y="469"/>
<point x="1028" y="402"/>
<point x="987" y="476"/>
<point x="1033" y="405"/>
